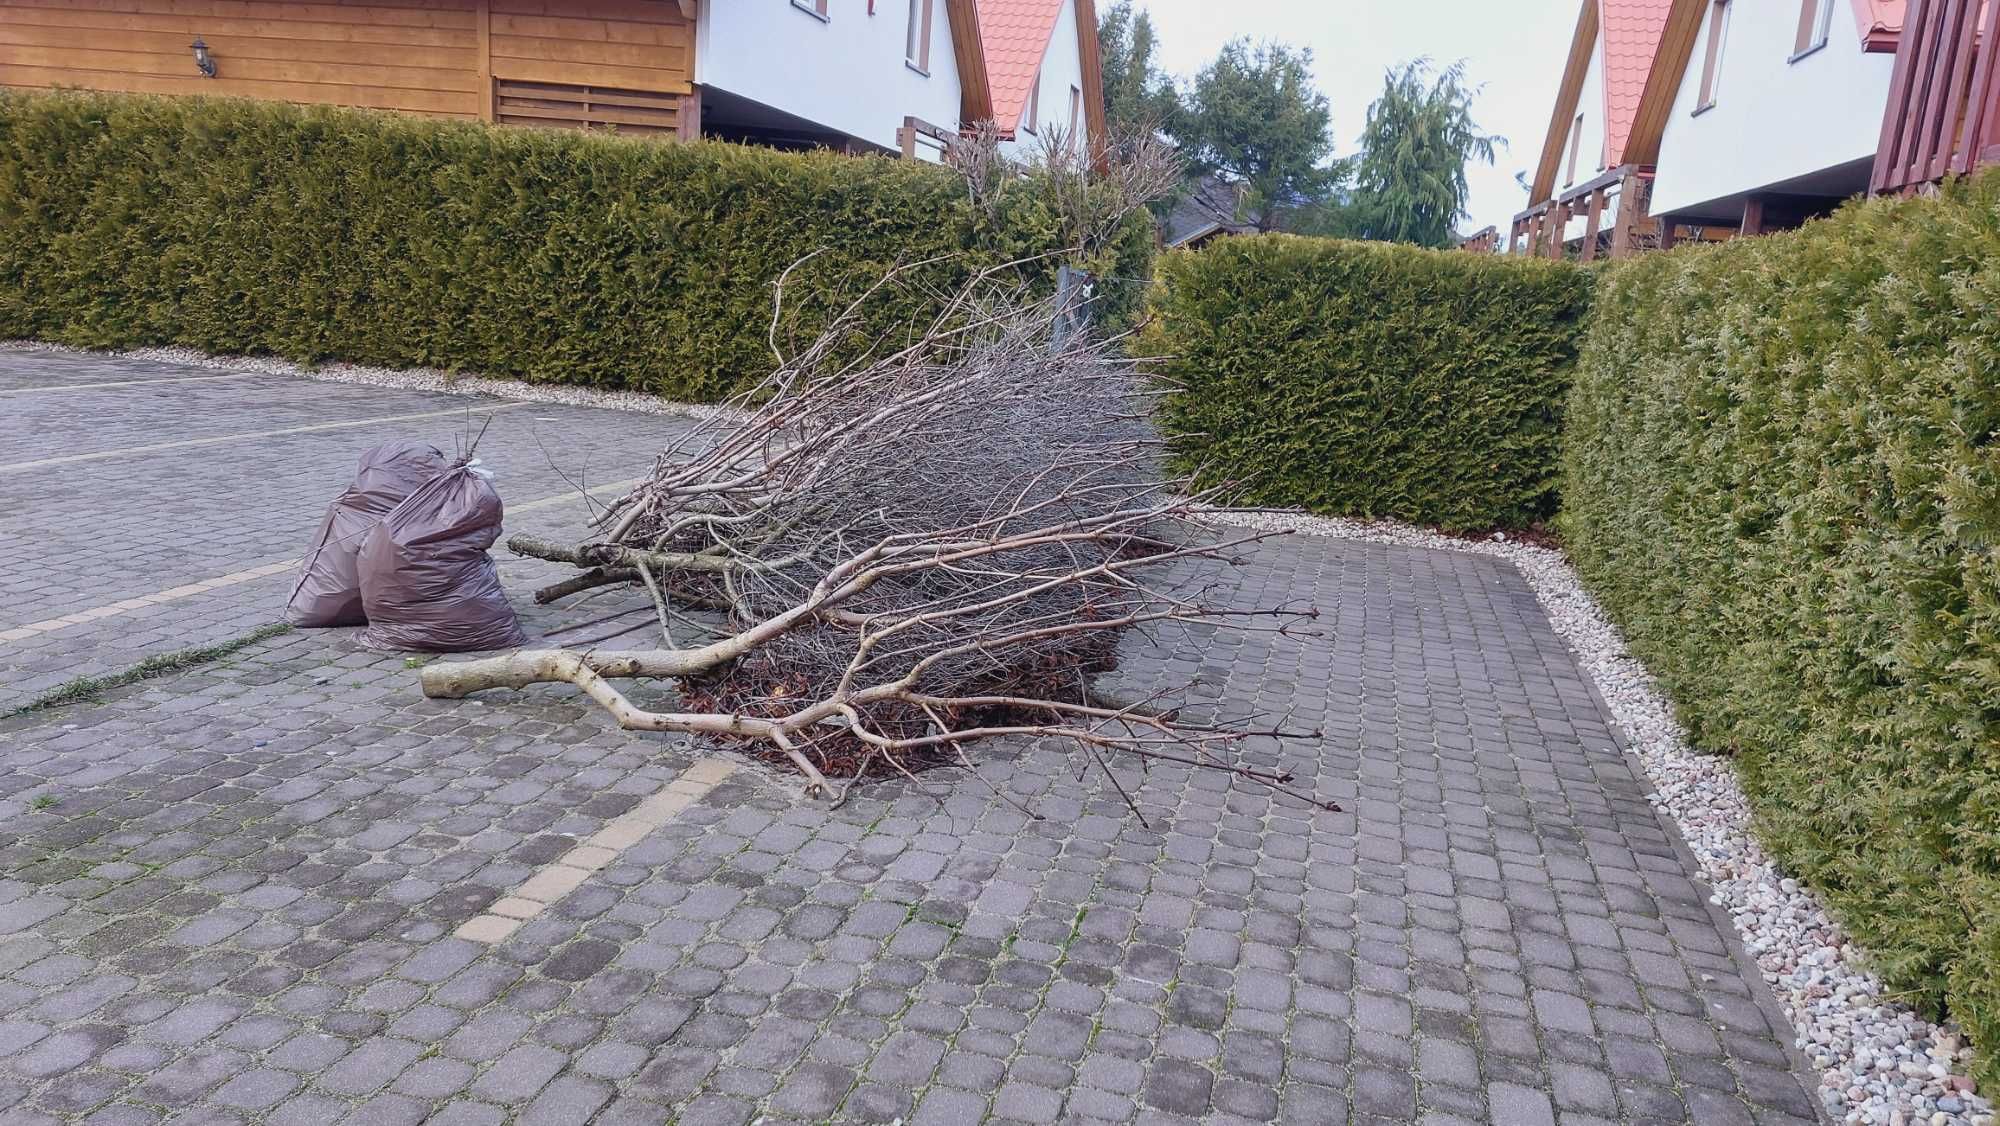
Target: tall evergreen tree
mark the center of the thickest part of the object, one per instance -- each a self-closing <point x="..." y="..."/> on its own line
<point x="1138" y="97"/>
<point x="1409" y="179"/>
<point x="1253" y="119"/>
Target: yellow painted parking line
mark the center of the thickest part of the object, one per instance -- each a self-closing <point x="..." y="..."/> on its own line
<point x="567" y="872"/>
<point x="234" y="578"/>
<point x="192" y="443"/>
<point x="124" y="383"/>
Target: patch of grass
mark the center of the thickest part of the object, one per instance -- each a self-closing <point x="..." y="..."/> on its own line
<point x="415" y="662"/>
<point x="44" y="801"/>
<point x="85" y="689"/>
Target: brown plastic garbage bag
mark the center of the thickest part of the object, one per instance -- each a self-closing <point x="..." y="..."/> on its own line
<point x="426" y="580"/>
<point x="329" y="588"/>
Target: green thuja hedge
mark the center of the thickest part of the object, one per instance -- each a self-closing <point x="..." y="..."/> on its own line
<point x="1365" y="379"/>
<point x="315" y="233"/>
<point x="1782" y="478"/>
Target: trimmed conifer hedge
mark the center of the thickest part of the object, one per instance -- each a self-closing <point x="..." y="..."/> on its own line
<point x="1366" y="379"/>
<point x="316" y="233"/>
<point x="1782" y="478"/>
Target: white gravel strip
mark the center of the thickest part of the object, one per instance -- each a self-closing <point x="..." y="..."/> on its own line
<point x="1879" y="1063"/>
<point x="412" y="379"/>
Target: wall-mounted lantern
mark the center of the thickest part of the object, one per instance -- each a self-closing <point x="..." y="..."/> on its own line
<point x="203" y="61"/>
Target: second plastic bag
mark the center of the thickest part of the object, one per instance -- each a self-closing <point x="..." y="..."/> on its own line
<point x="426" y="580"/>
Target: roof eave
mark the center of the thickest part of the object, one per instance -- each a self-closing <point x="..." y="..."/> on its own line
<point x="975" y="90"/>
<point x="1581" y="47"/>
<point x="1092" y="66"/>
<point x="1877" y="36"/>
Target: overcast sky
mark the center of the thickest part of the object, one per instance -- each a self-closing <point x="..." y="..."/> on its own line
<point x="1515" y="48"/>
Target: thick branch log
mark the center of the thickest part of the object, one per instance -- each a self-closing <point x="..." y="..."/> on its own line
<point x="595" y="577"/>
<point x="582" y="670"/>
<point x="614" y="555"/>
<point x="455" y="680"/>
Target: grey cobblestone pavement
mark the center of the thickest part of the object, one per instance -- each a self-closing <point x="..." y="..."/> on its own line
<point x="86" y="534"/>
<point x="228" y="895"/>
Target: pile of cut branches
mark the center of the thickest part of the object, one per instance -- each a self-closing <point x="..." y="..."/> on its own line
<point x="914" y="545"/>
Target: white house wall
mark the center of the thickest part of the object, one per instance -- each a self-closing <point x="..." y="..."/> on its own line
<point x="1773" y="119"/>
<point x="1062" y="68"/>
<point x="844" y="73"/>
<point x="1590" y="157"/>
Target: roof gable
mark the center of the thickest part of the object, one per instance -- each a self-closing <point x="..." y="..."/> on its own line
<point x="1015" y="35"/>
<point x="1626" y="33"/>
<point x="1631" y="32"/>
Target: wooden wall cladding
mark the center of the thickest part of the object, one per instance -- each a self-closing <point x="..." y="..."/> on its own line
<point x="442" y="57"/>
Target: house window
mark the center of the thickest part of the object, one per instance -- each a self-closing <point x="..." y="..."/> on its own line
<point x="1075" y="114"/>
<point x="1711" y="63"/>
<point x="1815" y="23"/>
<point x="1575" y="145"/>
<point x="1032" y="116"/>
<point x="917" y="40"/>
<point x="812" y="7"/>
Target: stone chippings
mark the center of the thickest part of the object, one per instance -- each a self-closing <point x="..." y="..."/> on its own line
<point x="1879" y="1062"/>
<point x="243" y="906"/>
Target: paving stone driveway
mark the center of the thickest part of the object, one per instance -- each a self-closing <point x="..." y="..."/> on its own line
<point x="84" y="534"/>
<point x="228" y="895"/>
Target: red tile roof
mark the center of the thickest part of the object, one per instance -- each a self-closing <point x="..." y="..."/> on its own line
<point x="1630" y="30"/>
<point x="1016" y="35"/>
<point x="1881" y="22"/>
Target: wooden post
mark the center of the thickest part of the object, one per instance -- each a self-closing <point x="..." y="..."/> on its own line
<point x="1669" y="232"/>
<point x="1558" y="227"/>
<point x="1595" y="216"/>
<point x="483" y="19"/>
<point x="689" y="117"/>
<point x="1634" y="196"/>
<point x="1753" y="216"/>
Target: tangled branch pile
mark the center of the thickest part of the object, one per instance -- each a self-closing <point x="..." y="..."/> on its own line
<point x="915" y="550"/>
<point x="915" y="545"/>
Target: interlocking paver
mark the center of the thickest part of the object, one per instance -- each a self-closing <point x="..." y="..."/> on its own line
<point x="243" y="902"/>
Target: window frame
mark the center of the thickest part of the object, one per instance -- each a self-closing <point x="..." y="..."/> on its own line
<point x="1711" y="65"/>
<point x="1815" y="27"/>
<point x="918" y="34"/>
<point x="1031" y="118"/>
<point x="814" y="8"/>
<point x="1575" y="148"/>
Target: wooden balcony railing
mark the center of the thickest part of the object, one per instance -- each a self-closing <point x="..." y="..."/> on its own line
<point x="1544" y="226"/>
<point x="1942" y="117"/>
<point x="916" y="133"/>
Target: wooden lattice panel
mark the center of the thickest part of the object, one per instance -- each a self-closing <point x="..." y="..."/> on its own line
<point x="567" y="106"/>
